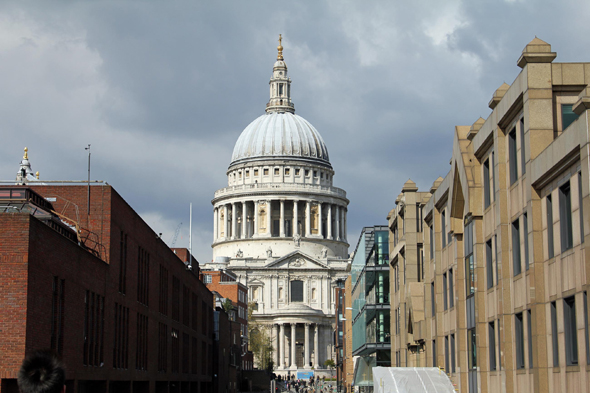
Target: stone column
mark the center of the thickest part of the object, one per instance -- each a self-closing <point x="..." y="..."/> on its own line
<point x="320" y="225"/>
<point x="293" y="346"/>
<point x="329" y="219"/>
<point x="307" y="218"/>
<point x="275" y="336"/>
<point x="281" y="345"/>
<point x="268" y="218"/>
<point x="225" y="228"/>
<point x="234" y="219"/>
<point x="306" y="358"/>
<point x="215" y="225"/>
<point x="256" y="217"/>
<point x="316" y="346"/>
<point x="282" y="219"/>
<point x="244" y="219"/>
<point x="295" y="218"/>
<point x="337" y="216"/>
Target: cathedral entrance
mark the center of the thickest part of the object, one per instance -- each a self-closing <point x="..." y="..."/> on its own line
<point x="299" y="355"/>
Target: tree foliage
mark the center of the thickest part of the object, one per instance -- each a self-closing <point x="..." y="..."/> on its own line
<point x="330" y="363"/>
<point x="260" y="342"/>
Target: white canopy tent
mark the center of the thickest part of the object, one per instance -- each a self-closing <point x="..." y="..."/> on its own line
<point x="411" y="380"/>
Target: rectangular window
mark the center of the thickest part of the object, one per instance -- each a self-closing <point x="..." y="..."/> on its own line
<point x="143" y="274"/>
<point x="121" y="337"/>
<point x="255" y="172"/>
<point x="492" y="345"/>
<point x="512" y="156"/>
<point x="296" y="291"/>
<point x="581" y="207"/>
<point x="123" y="263"/>
<point x="525" y="230"/>
<point x="565" y="217"/>
<point x="453" y="353"/>
<point x="522" y="145"/>
<point x="568" y="116"/>
<point x="516" y="247"/>
<point x="486" y="184"/>
<point x="93" y="330"/>
<point x="433" y="303"/>
<point x="469" y="261"/>
<point x="550" y="248"/>
<point x="443" y="229"/>
<point x="431" y="230"/>
<point x="451" y="289"/>
<point x="471" y="349"/>
<point x="287" y="171"/>
<point x="195" y="311"/>
<point x="529" y="328"/>
<point x="175" y="361"/>
<point x="141" y="355"/>
<point x="163" y="301"/>
<point x="194" y="357"/>
<point x="265" y="171"/>
<point x="175" y="299"/>
<point x="186" y="316"/>
<point x="489" y="266"/>
<point x="445" y="300"/>
<point x="185" y="353"/>
<point x="162" y="347"/>
<point x="247" y="173"/>
<point x="586" y="334"/>
<point x="519" y="340"/>
<point x="447" y="368"/>
<point x="496" y="259"/>
<point x="554" y="337"/>
<point x="433" y="353"/>
<point x="570" y="330"/>
<point x="420" y="256"/>
<point x="277" y="171"/>
<point x="492" y="160"/>
<point x="57" y="315"/>
<point x="207" y="279"/>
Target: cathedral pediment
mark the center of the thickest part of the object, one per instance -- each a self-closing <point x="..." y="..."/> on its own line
<point x="296" y="260"/>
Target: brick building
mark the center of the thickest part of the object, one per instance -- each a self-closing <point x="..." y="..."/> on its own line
<point x="111" y="298"/>
<point x="495" y="287"/>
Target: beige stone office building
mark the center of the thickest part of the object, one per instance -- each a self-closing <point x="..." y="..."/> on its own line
<point x="489" y="266"/>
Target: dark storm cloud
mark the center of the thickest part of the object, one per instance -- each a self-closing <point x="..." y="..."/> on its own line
<point x="162" y="90"/>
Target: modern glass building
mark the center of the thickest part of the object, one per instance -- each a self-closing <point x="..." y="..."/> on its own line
<point x="371" y="345"/>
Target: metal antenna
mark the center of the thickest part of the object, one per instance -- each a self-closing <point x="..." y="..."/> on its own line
<point x="88" y="148"/>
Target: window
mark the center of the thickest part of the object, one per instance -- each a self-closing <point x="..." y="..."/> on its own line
<point x="525" y="230"/>
<point x="443" y="229"/>
<point x="554" y="338"/>
<point x="469" y="261"/>
<point x="163" y="301"/>
<point x="143" y="274"/>
<point x="433" y="353"/>
<point x="492" y="160"/>
<point x="431" y="229"/>
<point x="247" y="173"/>
<point x="141" y="347"/>
<point x="297" y="170"/>
<point x="529" y="329"/>
<point x="315" y="173"/>
<point x="420" y="257"/>
<point x="255" y="172"/>
<point x="516" y="247"/>
<point x="492" y="345"/>
<point x="568" y="116"/>
<point x="570" y="330"/>
<point x="175" y="363"/>
<point x="471" y="349"/>
<point x="306" y="172"/>
<point x="433" y="303"/>
<point x="123" y="263"/>
<point x="565" y="217"/>
<point x="207" y="279"/>
<point x="296" y="291"/>
<point x="550" y="249"/>
<point x="486" y="184"/>
<point x="287" y="171"/>
<point x="57" y="314"/>
<point x="453" y="353"/>
<point x="586" y="327"/>
<point x="522" y="144"/>
<point x="240" y="175"/>
<point x="265" y="172"/>
<point x="581" y="207"/>
<point x="277" y="171"/>
<point x="445" y="298"/>
<point x="175" y="299"/>
<point x="447" y="354"/>
<point x="489" y="267"/>
<point x="121" y="336"/>
<point x="451" y="289"/>
<point x="93" y="330"/>
<point x="519" y="340"/>
<point x="496" y="255"/>
<point x="512" y="156"/>
<point x="162" y="347"/>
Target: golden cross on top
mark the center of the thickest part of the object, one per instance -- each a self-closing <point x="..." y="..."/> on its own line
<point x="280" y="39"/>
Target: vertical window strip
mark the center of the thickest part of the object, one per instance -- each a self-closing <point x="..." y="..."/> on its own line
<point x="451" y="289"/>
<point x="496" y="259"/>
<point x="492" y="345"/>
<point x="512" y="156"/>
<point x="445" y="300"/>
<point x="525" y="229"/>
<point x="554" y="337"/>
<point x="499" y="346"/>
<point x="581" y="207"/>
<point x="522" y="146"/>
<point x="489" y="267"/>
<point x="453" y="353"/>
<point x="530" y="336"/>
<point x="486" y="184"/>
<point x="586" y="333"/>
<point x="550" y="247"/>
<point x="565" y="217"/>
<point x="519" y="340"/>
<point x="516" y="263"/>
<point x="571" y="331"/>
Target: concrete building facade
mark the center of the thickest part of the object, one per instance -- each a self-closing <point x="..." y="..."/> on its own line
<point x="501" y="302"/>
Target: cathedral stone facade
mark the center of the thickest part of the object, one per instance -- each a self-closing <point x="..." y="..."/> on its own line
<point x="280" y="225"/>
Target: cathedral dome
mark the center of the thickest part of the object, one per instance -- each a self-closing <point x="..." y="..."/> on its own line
<point x="280" y="135"/>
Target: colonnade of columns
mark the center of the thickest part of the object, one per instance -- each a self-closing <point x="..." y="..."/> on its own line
<point x="242" y="220"/>
<point x="288" y="359"/>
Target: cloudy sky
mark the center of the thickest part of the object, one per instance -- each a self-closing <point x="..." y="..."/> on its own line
<point x="162" y="90"/>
